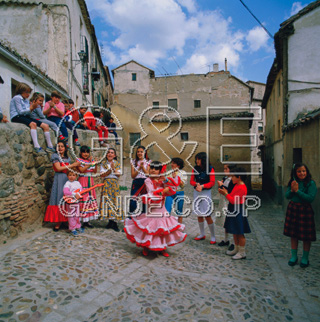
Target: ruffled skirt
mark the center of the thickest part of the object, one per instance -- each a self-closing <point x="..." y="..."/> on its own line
<point x="154" y="233"/>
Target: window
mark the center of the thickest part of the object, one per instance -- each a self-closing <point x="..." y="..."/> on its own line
<point x="260" y="127"/>
<point x="155" y="105"/>
<point x="279" y="88"/>
<point x="14" y="85"/>
<point x="47" y="97"/>
<point x="133" y="138"/>
<point x="134" y="76"/>
<point x="184" y="136"/>
<point x="197" y="103"/>
<point x="173" y="103"/>
<point x="297" y="155"/>
<point x="279" y="130"/>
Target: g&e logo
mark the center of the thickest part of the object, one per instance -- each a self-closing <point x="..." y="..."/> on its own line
<point x="230" y="114"/>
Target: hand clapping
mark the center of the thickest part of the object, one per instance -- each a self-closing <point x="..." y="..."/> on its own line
<point x="199" y="187"/>
<point x="294" y="186"/>
<point x="223" y="191"/>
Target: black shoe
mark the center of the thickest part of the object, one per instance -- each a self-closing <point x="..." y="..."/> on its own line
<point x="109" y="225"/>
<point x="223" y="243"/>
<point x="87" y="224"/>
<point x="115" y="226"/>
<point x="231" y="247"/>
<point x="303" y="265"/>
<point x="293" y="263"/>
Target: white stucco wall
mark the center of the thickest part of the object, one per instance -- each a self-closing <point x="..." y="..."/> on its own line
<point x="303" y="64"/>
<point x="42" y="36"/>
<point x="25" y="30"/>
<point x="124" y="83"/>
<point x="9" y="72"/>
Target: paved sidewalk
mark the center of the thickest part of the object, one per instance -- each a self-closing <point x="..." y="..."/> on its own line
<point x="101" y="276"/>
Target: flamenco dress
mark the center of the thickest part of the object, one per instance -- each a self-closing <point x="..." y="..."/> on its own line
<point x="88" y="204"/>
<point x="155" y="229"/>
<point x="53" y="212"/>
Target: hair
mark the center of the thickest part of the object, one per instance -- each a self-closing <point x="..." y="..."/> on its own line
<point x="145" y="154"/>
<point x="179" y="162"/>
<point x="65" y="102"/>
<point x="23" y="88"/>
<point x="115" y="153"/>
<point x="71" y="171"/>
<point x="293" y="176"/>
<point x="35" y="96"/>
<point x="81" y="107"/>
<point x="110" y="118"/>
<point x="70" y="101"/>
<point x="231" y="167"/>
<point x="242" y="174"/>
<point x="204" y="160"/>
<point x="96" y="114"/>
<point x="66" y="148"/>
<point x="55" y="94"/>
<point x="156" y="165"/>
<point x="84" y="148"/>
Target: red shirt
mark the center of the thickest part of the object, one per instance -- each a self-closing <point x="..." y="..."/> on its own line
<point x="240" y="191"/>
<point x="91" y="122"/>
<point x="208" y="185"/>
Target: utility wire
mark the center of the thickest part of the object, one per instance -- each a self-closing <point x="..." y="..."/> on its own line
<point x="165" y="71"/>
<point x="177" y="64"/>
<point x="265" y="29"/>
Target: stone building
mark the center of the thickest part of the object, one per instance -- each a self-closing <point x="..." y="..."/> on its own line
<point x="51" y="45"/>
<point x="258" y="128"/>
<point x="186" y="136"/>
<point x="136" y="86"/>
<point x="137" y="89"/>
<point x="292" y="101"/>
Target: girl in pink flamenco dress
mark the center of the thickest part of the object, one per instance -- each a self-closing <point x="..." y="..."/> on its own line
<point x="155" y="230"/>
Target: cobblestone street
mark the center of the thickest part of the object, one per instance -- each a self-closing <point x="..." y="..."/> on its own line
<point x="101" y="276"/>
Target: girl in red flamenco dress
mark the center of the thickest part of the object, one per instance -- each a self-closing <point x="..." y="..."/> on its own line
<point x="155" y="230"/>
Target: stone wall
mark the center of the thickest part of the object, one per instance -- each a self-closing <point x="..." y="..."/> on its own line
<point x="25" y="179"/>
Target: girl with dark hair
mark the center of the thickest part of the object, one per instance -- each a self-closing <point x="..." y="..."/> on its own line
<point x="236" y="223"/>
<point x="61" y="164"/>
<point x="111" y="171"/>
<point x="155" y="230"/>
<point x="227" y="183"/>
<point x="202" y="202"/>
<point x="299" y="223"/>
<point x="139" y="170"/>
<point x="88" y="204"/>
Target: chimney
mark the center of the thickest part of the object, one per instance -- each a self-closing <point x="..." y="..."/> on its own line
<point x="225" y="64"/>
<point x="215" y="68"/>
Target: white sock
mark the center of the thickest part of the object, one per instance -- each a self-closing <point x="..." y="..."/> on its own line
<point x="201" y="226"/>
<point x="34" y="138"/>
<point x="211" y="227"/>
<point x="48" y="139"/>
<point x="226" y="236"/>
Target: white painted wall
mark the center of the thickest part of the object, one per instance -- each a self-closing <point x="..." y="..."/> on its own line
<point x="9" y="71"/>
<point x="42" y="36"/>
<point x="304" y="64"/>
<point x="124" y="83"/>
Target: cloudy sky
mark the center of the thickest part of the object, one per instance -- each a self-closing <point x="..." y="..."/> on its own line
<point x="188" y="36"/>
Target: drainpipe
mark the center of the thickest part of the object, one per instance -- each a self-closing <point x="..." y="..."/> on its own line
<point x="70" y="40"/>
